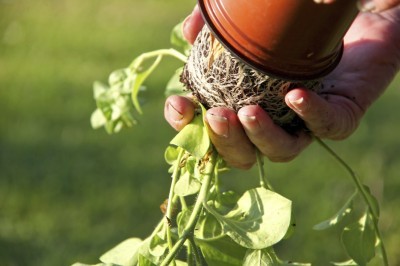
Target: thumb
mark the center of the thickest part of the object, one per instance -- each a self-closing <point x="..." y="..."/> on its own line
<point x="377" y="5"/>
<point x="333" y="117"/>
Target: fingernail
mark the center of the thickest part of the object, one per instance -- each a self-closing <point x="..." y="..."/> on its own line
<point x="218" y="124"/>
<point x="249" y="122"/>
<point x="366" y="5"/>
<point x="174" y="114"/>
<point x="298" y="103"/>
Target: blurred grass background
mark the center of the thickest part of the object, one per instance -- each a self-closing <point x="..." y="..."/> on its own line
<point x="69" y="193"/>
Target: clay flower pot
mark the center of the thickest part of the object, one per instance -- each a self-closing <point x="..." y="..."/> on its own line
<point x="290" y="39"/>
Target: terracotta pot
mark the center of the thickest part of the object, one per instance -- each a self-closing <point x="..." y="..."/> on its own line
<point x="290" y="39"/>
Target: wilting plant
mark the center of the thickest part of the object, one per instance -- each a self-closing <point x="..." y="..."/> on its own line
<point x="203" y="224"/>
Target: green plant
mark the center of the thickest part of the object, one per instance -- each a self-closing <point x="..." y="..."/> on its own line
<point x="204" y="224"/>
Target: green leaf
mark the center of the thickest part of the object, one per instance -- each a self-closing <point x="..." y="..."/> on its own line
<point x="373" y="201"/>
<point x="345" y="263"/>
<point x="260" y="257"/>
<point x="260" y="218"/>
<point x="186" y="185"/>
<point x="174" y="85"/>
<point x="208" y="227"/>
<point x="98" y="264"/>
<point x="339" y="216"/>
<point x="359" y="240"/>
<point x="123" y="252"/>
<point x="221" y="252"/>
<point x="137" y="79"/>
<point x="98" y="119"/>
<point x="193" y="138"/>
<point x="143" y="261"/>
<point x="171" y="154"/>
<point x="179" y="40"/>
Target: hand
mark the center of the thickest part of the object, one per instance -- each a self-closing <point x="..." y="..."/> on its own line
<point x="370" y="61"/>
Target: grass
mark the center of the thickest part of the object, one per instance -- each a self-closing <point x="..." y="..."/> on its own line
<point x="68" y="193"/>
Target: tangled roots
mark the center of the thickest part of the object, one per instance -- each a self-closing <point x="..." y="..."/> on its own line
<point x="218" y="79"/>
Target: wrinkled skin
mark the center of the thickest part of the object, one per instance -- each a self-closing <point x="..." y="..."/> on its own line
<point x="370" y="61"/>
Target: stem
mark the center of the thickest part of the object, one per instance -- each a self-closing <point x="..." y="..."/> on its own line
<point x="261" y="172"/>
<point x="196" y="252"/>
<point x="189" y="228"/>
<point x="161" y="52"/>
<point x="361" y="189"/>
<point x="168" y="213"/>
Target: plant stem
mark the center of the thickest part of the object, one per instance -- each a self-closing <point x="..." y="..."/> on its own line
<point x="361" y="189"/>
<point x="189" y="228"/>
<point x="168" y="213"/>
<point x="261" y="172"/>
<point x="161" y="52"/>
<point x="196" y="252"/>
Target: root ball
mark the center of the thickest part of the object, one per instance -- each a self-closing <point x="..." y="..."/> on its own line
<point x="218" y="79"/>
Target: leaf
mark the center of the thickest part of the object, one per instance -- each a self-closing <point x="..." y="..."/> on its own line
<point x="123" y="252"/>
<point x="260" y="218"/>
<point x="97" y="119"/>
<point x="208" y="227"/>
<point x="179" y="40"/>
<point x="98" y="264"/>
<point x="137" y="79"/>
<point x="186" y="185"/>
<point x="143" y="261"/>
<point x="345" y="263"/>
<point x="359" y="240"/>
<point x="193" y="138"/>
<point x="339" y="216"/>
<point x="260" y="257"/>
<point x="221" y="252"/>
<point x="373" y="201"/>
<point x="174" y="85"/>
<point x="171" y="154"/>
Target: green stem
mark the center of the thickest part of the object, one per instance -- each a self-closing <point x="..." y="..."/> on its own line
<point x="364" y="194"/>
<point x="161" y="52"/>
<point x="261" y="172"/>
<point x="196" y="252"/>
<point x="168" y="213"/>
<point x="189" y="228"/>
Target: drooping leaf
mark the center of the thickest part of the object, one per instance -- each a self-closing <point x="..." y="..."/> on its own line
<point x="171" y="154"/>
<point x="373" y="201"/>
<point x="193" y="138"/>
<point x="359" y="240"/>
<point x="98" y="264"/>
<point x="123" y="252"/>
<point x="208" y="227"/>
<point x="179" y="40"/>
<point x="339" y="216"/>
<point x="174" y="85"/>
<point x="221" y="252"/>
<point x="138" y="77"/>
<point x="97" y="119"/>
<point x="345" y="263"/>
<point x="186" y="185"/>
<point x="143" y="261"/>
<point x="260" y="257"/>
<point x="259" y="220"/>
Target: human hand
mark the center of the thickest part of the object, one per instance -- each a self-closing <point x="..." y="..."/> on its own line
<point x="370" y="61"/>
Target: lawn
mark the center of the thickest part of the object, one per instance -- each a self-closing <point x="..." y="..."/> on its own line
<point x="68" y="193"/>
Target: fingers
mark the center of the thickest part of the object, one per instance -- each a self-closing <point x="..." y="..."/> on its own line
<point x="178" y="111"/>
<point x="270" y="139"/>
<point x="377" y="5"/>
<point x="229" y="138"/>
<point x="193" y="25"/>
<point x="333" y="117"/>
<point x="324" y="1"/>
